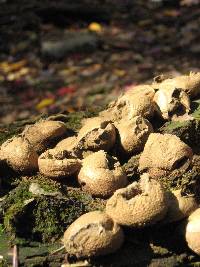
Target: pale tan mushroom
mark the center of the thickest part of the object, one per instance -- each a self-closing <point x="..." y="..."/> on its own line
<point x="56" y="164"/>
<point x="172" y="103"/>
<point x="101" y="175"/>
<point x="68" y="143"/>
<point x="43" y="133"/>
<point x="192" y="231"/>
<point x="133" y="134"/>
<point x="189" y="83"/>
<point x="180" y="206"/>
<point x="97" y="133"/>
<point x="19" y="155"/>
<point x="135" y="102"/>
<point x="165" y="152"/>
<point x="93" y="234"/>
<point x="139" y="204"/>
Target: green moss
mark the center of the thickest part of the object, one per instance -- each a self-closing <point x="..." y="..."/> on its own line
<point x="45" y="217"/>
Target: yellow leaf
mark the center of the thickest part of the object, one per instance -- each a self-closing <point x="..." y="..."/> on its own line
<point x="95" y="27"/>
<point x="45" y="103"/>
<point x="119" y="72"/>
<point x="8" y="67"/>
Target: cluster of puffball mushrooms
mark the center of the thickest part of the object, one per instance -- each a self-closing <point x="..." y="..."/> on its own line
<point x="125" y="127"/>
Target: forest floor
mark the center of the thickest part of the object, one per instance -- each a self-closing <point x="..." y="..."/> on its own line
<point x="60" y="63"/>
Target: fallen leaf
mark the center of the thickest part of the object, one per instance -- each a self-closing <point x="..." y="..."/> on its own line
<point x="45" y="103"/>
<point x="95" y="27"/>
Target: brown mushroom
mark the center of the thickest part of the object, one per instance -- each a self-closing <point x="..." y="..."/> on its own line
<point x="135" y="102"/>
<point x="56" y="164"/>
<point x="97" y="133"/>
<point x="43" y="133"/>
<point x="101" y="175"/>
<point x="180" y="206"/>
<point x="139" y="204"/>
<point x="189" y="83"/>
<point x="93" y="234"/>
<point x="165" y="152"/>
<point x="192" y="231"/>
<point x="133" y="134"/>
<point x="19" y="155"/>
<point x="172" y="103"/>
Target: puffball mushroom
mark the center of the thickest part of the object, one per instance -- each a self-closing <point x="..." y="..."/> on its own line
<point x="192" y="231"/>
<point x="189" y="83"/>
<point x="56" y="164"/>
<point x="139" y="204"/>
<point x="135" y="102"/>
<point x="93" y="234"/>
<point x="133" y="134"/>
<point x="97" y="133"/>
<point x="43" y="133"/>
<point x="67" y="143"/>
<point x="165" y="152"/>
<point x="180" y="206"/>
<point x="19" y="155"/>
<point x="172" y="102"/>
<point x="101" y="175"/>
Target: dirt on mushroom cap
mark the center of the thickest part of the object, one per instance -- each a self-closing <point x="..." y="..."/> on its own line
<point x="139" y="204"/>
<point x="19" y="155"/>
<point x="165" y="152"/>
<point x="93" y="234"/>
<point x="133" y="134"/>
<point x="42" y="133"/>
<point x="101" y="174"/>
<point x="97" y="133"/>
<point x="57" y="164"/>
<point x="172" y="103"/>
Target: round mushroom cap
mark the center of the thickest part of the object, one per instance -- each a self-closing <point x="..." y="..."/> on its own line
<point x="101" y="175"/>
<point x="67" y="144"/>
<point x="192" y="232"/>
<point x="56" y="164"/>
<point x="189" y="83"/>
<point x="180" y="206"/>
<point x="135" y="102"/>
<point x="165" y="152"/>
<point x="172" y="102"/>
<point x="139" y="204"/>
<point x="97" y="133"/>
<point x="93" y="234"/>
<point x="133" y="134"/>
<point x="19" y="155"/>
<point x="43" y="133"/>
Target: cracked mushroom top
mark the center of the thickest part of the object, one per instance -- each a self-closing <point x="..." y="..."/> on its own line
<point x="93" y="234"/>
<point x="139" y="204"/>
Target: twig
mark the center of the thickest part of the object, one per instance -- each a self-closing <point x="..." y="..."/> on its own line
<point x="57" y="250"/>
<point x="15" y="257"/>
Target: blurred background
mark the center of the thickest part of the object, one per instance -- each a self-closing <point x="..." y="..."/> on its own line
<point x="66" y="56"/>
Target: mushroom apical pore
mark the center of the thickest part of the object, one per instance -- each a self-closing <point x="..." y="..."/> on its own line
<point x="180" y="206"/>
<point x="172" y="103"/>
<point x="97" y="133"/>
<point x="165" y="152"/>
<point x="56" y="164"/>
<point x="139" y="204"/>
<point x="101" y="175"/>
<point x="192" y="231"/>
<point x="135" y="102"/>
<point x="19" y="155"/>
<point x="93" y="234"/>
<point x="133" y="134"/>
<point x="43" y="133"/>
